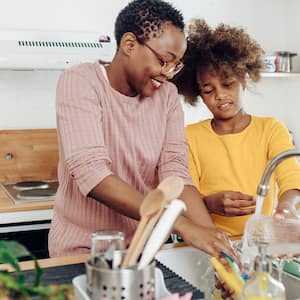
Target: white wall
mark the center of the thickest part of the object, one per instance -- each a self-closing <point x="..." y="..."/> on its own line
<point x="27" y="97"/>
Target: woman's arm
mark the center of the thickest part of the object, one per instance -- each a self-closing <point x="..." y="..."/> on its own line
<point x="197" y="228"/>
<point x="118" y="195"/>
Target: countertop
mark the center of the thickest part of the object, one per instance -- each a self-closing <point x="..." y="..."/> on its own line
<point x="62" y="270"/>
<point x="68" y="260"/>
<point x="12" y="215"/>
<point x="7" y="205"/>
<point x="50" y="262"/>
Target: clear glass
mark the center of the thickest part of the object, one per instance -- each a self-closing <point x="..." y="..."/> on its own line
<point x="107" y="241"/>
<point x="281" y="236"/>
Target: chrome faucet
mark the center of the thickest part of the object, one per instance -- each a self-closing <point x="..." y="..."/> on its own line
<point x="263" y="187"/>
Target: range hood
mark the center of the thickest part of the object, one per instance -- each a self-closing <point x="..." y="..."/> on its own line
<point x="51" y="50"/>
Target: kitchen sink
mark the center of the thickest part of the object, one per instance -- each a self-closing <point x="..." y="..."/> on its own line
<point x="194" y="266"/>
<point x="292" y="285"/>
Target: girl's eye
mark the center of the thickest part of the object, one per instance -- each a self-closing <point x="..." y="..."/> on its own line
<point x="207" y="92"/>
<point x="228" y="84"/>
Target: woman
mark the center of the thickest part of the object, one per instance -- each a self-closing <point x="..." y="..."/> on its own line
<point x="121" y="132"/>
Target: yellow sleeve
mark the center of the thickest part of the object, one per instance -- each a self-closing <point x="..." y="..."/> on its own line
<point x="194" y="168"/>
<point x="194" y="172"/>
<point x="287" y="173"/>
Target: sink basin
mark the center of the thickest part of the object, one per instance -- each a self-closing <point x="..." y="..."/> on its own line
<point x="292" y="285"/>
<point x="194" y="266"/>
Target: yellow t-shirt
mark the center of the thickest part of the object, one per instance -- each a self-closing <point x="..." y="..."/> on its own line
<point x="236" y="162"/>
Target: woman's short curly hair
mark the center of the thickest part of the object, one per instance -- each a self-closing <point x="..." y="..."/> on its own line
<point x="145" y="17"/>
<point x="225" y="50"/>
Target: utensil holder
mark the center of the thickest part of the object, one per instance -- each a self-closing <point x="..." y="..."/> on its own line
<point x="120" y="284"/>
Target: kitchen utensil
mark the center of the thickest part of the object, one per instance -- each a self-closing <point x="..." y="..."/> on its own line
<point x="129" y="283"/>
<point x="161" y="231"/>
<point x="285" y="61"/>
<point x="171" y="187"/>
<point x="81" y="287"/>
<point x="149" y="206"/>
<point x="105" y="242"/>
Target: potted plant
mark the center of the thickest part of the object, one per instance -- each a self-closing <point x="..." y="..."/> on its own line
<point x="13" y="285"/>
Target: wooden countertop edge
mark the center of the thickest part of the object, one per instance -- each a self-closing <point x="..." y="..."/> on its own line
<point x="27" y="207"/>
<point x="68" y="260"/>
<point x="7" y="205"/>
<point x="49" y="262"/>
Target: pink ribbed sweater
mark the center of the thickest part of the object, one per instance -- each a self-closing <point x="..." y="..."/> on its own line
<point x="103" y="132"/>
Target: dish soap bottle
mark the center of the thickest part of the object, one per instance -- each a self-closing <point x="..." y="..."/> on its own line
<point x="262" y="286"/>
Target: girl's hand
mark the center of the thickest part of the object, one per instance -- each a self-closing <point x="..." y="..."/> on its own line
<point x="230" y="203"/>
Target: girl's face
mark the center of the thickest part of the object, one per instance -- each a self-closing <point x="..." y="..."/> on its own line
<point x="223" y="97"/>
<point x="155" y="61"/>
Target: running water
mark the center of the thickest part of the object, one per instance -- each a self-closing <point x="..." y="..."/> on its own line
<point x="259" y="203"/>
<point x="248" y="252"/>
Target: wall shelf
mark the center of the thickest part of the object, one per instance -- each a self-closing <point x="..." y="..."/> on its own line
<point x="279" y="74"/>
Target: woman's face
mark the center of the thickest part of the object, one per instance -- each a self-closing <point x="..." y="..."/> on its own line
<point x="145" y="74"/>
<point x="223" y="97"/>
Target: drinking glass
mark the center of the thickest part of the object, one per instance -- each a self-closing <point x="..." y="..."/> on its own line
<point x="107" y="241"/>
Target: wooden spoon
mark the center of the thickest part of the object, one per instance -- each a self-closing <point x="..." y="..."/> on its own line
<point x="149" y="207"/>
<point x="171" y="188"/>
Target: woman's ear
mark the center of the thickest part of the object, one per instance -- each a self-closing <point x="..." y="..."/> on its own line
<point x="128" y="43"/>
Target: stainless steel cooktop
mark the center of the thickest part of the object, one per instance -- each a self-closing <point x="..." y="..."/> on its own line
<point x="31" y="191"/>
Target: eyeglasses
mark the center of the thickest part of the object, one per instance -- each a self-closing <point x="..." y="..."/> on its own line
<point x="166" y="67"/>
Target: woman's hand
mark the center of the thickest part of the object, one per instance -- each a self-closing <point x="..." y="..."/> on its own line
<point x="213" y="242"/>
<point x="208" y="239"/>
<point x="226" y="292"/>
<point x="230" y="203"/>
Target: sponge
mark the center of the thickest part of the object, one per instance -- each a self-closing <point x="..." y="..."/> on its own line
<point x="231" y="278"/>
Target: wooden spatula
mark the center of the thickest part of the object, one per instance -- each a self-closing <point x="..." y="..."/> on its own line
<point x="149" y="206"/>
<point x="171" y="188"/>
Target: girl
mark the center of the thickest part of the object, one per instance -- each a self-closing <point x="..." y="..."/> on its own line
<point x="228" y="153"/>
